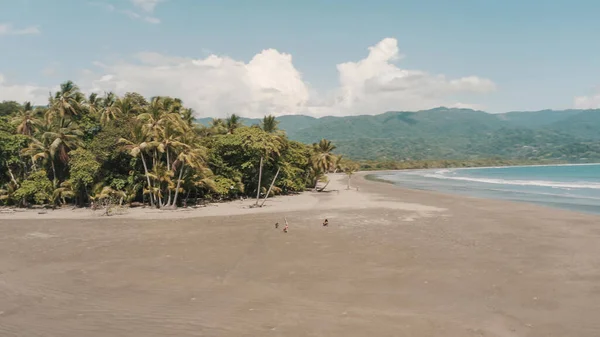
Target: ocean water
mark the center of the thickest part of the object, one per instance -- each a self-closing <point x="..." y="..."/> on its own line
<point x="573" y="187"/>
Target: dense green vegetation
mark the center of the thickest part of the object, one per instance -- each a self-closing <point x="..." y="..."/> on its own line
<point x="109" y="149"/>
<point x="456" y="134"/>
<point x="104" y="150"/>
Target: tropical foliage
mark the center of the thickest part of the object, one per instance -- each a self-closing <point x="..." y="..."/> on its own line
<point x="105" y="149"/>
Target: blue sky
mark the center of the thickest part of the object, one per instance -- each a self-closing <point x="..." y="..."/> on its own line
<point x="495" y="55"/>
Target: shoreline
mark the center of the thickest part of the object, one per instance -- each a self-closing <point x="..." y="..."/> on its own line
<point x="372" y="177"/>
<point x="392" y="261"/>
<point x="335" y="197"/>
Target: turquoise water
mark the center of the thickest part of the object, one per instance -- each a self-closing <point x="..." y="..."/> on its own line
<point x="573" y="187"/>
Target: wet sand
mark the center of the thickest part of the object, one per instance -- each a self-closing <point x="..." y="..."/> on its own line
<point x="392" y="262"/>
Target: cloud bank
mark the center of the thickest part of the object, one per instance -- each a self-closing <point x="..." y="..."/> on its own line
<point x="9" y="29"/>
<point x="270" y="84"/>
<point x="587" y="102"/>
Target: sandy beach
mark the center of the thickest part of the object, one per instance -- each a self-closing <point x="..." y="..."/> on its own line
<point x="392" y="262"/>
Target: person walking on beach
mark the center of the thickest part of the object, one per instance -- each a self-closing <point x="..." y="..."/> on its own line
<point x="285" y="229"/>
<point x="325" y="223"/>
<point x="276" y="225"/>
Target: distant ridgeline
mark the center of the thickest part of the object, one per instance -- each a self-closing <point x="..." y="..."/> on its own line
<point x="454" y="134"/>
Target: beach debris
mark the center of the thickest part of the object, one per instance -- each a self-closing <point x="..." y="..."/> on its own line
<point x="326" y="223"/>
<point x="276" y="225"/>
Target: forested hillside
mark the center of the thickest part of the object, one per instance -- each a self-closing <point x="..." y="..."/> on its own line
<point x="570" y="135"/>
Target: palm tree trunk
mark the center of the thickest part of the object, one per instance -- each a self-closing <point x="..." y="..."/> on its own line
<point x="33" y="164"/>
<point x="322" y="189"/>
<point x="259" y="180"/>
<point x="270" y="187"/>
<point x="178" y="184"/>
<point x="53" y="172"/>
<point x="168" y="168"/>
<point x="12" y="177"/>
<point x="148" y="179"/>
<point x="187" y="197"/>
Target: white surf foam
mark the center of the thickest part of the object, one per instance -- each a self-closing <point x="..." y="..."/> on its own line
<point x="542" y="183"/>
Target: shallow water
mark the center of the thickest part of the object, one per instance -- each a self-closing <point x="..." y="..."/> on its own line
<point x="573" y="187"/>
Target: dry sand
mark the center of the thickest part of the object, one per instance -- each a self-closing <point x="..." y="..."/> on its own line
<point x="392" y="262"/>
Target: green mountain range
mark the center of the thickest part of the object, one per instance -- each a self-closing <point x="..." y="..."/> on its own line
<point x="442" y="133"/>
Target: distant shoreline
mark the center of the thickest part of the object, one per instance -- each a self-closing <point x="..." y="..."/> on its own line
<point x="479" y="167"/>
<point x="573" y="196"/>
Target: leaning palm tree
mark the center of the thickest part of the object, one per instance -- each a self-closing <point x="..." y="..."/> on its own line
<point x="136" y="144"/>
<point x="67" y="102"/>
<point x="270" y="124"/>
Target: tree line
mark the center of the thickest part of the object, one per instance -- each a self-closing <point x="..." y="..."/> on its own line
<point x="99" y="149"/>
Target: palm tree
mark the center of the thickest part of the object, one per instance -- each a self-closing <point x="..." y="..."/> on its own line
<point x="127" y="107"/>
<point x="155" y="115"/>
<point x="26" y="119"/>
<point x="232" y="122"/>
<point x="40" y="150"/>
<point x="163" y="179"/>
<point x="270" y="124"/>
<point x="217" y="126"/>
<point x="349" y="169"/>
<point x="63" y="137"/>
<point x="67" y="102"/>
<point x="65" y="190"/>
<point x="188" y="116"/>
<point x="323" y="160"/>
<point x="93" y="104"/>
<point x="323" y="157"/>
<point x="192" y="156"/>
<point x="110" y="108"/>
<point x="137" y="143"/>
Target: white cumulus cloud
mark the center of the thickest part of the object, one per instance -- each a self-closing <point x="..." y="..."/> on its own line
<point x="376" y="84"/>
<point x="270" y="84"/>
<point x="587" y="102"/>
<point x="22" y="92"/>
<point x="213" y="86"/>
